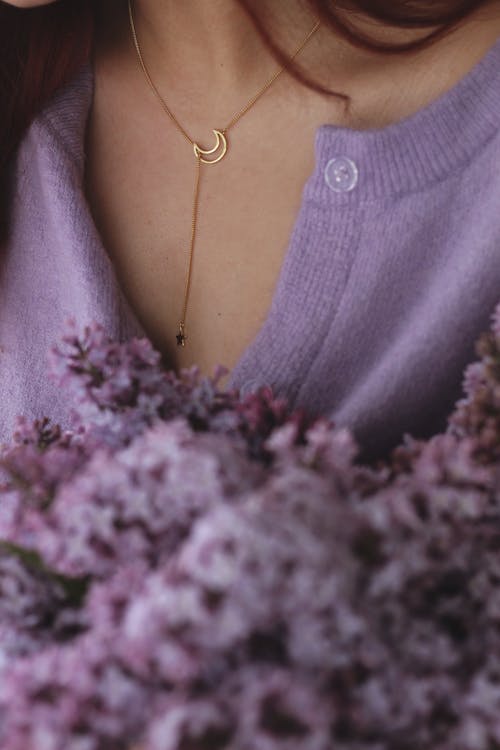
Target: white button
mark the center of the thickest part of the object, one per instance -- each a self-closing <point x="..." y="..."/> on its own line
<point x="341" y="174"/>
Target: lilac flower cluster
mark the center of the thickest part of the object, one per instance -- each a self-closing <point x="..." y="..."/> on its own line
<point x="187" y="570"/>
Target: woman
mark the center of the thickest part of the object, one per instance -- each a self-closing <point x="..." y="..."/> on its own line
<point x="346" y="248"/>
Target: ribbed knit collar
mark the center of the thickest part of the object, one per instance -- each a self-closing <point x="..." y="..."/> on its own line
<point x="429" y="145"/>
<point x="403" y="157"/>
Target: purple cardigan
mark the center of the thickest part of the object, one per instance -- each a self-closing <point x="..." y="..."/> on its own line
<point x="392" y="270"/>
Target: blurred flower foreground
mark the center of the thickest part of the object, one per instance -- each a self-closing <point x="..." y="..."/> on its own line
<point x="187" y="570"/>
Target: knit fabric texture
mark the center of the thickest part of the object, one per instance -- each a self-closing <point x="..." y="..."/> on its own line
<point x="391" y="273"/>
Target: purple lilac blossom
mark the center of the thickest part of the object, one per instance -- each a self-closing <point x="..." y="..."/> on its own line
<point x="244" y="583"/>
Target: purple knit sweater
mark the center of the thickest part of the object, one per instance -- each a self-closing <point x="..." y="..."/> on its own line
<point x="392" y="270"/>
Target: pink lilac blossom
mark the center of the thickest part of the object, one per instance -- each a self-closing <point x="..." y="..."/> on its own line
<point x="188" y="570"/>
<point x="140" y="502"/>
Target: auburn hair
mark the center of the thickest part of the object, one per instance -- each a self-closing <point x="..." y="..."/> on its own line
<point x="43" y="48"/>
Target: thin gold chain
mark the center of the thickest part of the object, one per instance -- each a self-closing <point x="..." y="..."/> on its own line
<point x="199" y="153"/>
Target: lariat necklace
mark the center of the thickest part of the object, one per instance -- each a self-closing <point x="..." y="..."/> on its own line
<point x="215" y="154"/>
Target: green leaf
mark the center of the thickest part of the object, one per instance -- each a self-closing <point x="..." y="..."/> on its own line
<point x="75" y="588"/>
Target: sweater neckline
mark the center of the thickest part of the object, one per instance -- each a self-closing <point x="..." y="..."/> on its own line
<point x="431" y="144"/>
<point x="426" y="147"/>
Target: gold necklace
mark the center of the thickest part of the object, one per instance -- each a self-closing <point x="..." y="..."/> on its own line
<point x="221" y="147"/>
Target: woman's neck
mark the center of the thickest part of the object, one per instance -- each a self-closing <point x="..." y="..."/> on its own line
<point x="211" y="43"/>
<point x="207" y="54"/>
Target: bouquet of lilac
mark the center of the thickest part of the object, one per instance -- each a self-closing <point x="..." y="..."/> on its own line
<point x="187" y="570"/>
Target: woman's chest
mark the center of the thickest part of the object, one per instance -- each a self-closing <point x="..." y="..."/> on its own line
<point x="142" y="199"/>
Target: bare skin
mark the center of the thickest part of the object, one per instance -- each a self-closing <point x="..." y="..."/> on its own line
<point x="208" y="62"/>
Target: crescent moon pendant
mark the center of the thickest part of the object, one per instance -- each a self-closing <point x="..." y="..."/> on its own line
<point x="220" y="144"/>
